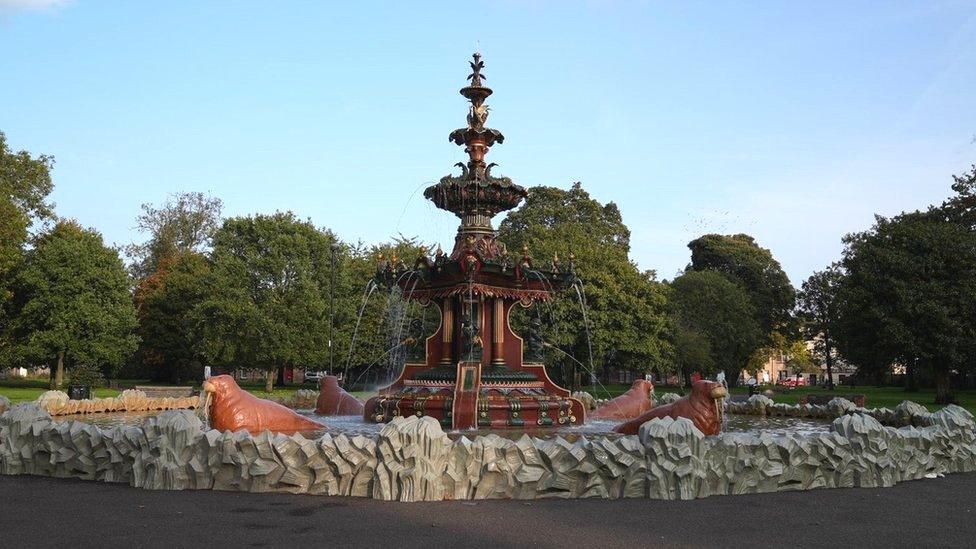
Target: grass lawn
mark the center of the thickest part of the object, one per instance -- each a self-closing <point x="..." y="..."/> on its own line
<point x="877" y="397"/>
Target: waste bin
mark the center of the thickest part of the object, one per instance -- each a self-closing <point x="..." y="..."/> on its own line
<point x="79" y="392"/>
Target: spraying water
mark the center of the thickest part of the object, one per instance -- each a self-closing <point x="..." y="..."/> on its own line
<point x="574" y="359"/>
<point x="370" y="288"/>
<point x="581" y="294"/>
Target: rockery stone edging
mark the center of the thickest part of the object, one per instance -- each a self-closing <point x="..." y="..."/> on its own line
<point x="57" y="403"/>
<point x="412" y="459"/>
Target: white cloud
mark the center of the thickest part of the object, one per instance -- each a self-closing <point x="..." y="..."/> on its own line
<point x="29" y="5"/>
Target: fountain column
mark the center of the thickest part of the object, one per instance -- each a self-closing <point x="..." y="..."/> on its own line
<point x="498" y="333"/>
<point x="447" y="333"/>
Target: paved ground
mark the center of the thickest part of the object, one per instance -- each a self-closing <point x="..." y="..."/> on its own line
<point x="43" y="512"/>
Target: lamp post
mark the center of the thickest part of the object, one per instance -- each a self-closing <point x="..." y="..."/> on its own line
<point x="334" y="248"/>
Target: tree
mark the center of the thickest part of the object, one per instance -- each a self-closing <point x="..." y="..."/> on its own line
<point x="741" y="259"/>
<point x="72" y="303"/>
<point x="798" y="359"/>
<point x="961" y="208"/>
<point x="692" y="352"/>
<point x="165" y="301"/>
<point x="25" y="183"/>
<point x="863" y="332"/>
<point x="179" y="232"/>
<point x="268" y="305"/>
<point x="817" y="304"/>
<point x="185" y="223"/>
<point x="720" y="311"/>
<point x="911" y="280"/>
<point x="626" y="307"/>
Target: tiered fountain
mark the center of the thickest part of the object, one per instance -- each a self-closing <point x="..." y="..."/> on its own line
<point x="475" y="373"/>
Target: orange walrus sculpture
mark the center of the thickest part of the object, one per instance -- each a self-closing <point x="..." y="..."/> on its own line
<point x="703" y="406"/>
<point x="334" y="401"/>
<point x="234" y="409"/>
<point x="633" y="403"/>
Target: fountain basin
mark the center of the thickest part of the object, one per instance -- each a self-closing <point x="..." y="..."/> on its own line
<point x="412" y="459"/>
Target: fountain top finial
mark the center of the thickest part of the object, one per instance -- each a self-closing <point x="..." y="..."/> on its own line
<point x="476" y="195"/>
<point x="478" y="113"/>
<point x="476" y="66"/>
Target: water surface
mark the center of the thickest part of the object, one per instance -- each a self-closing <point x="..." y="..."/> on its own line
<point x="355" y="425"/>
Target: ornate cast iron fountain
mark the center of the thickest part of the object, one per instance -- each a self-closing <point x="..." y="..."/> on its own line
<point x="474" y="373"/>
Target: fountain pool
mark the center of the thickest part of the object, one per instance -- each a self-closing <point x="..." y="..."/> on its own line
<point x="354" y="425"/>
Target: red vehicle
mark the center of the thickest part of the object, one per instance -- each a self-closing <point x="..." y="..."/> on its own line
<point x="793" y="382"/>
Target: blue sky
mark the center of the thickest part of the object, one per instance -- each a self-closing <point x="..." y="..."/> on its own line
<point x="794" y="123"/>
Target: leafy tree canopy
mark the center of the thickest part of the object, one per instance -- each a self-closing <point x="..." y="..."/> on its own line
<point x="165" y="301"/>
<point x="910" y="295"/>
<point x="25" y="183"/>
<point x="268" y="305"/>
<point x="71" y="302"/>
<point x="741" y="259"/>
<point x="719" y="311"/>
<point x="817" y="308"/>
<point x="185" y="223"/>
<point x="626" y="307"/>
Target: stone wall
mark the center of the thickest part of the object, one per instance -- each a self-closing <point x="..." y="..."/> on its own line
<point x="412" y="459"/>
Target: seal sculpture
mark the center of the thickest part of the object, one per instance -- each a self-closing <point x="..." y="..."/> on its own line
<point x="335" y="401"/>
<point x="234" y="409"/>
<point x="631" y="404"/>
<point x="703" y="406"/>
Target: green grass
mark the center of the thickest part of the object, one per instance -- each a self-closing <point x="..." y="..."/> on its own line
<point x="877" y="397"/>
<point x="25" y="394"/>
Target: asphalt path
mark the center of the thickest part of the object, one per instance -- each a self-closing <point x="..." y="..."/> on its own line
<point x="45" y="512"/>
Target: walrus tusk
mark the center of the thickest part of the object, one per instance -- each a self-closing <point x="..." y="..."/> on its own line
<point x="718" y="394"/>
<point x="206" y="399"/>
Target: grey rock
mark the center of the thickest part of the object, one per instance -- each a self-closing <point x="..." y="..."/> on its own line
<point x="666" y="398"/>
<point x="413" y="454"/>
<point x="840" y="406"/>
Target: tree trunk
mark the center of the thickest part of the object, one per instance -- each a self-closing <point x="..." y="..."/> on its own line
<point x="269" y="379"/>
<point x="281" y="375"/>
<point x="943" y="390"/>
<point x="686" y="375"/>
<point x="59" y="372"/>
<point x="830" y="366"/>
<point x="732" y="379"/>
<point x="911" y="376"/>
